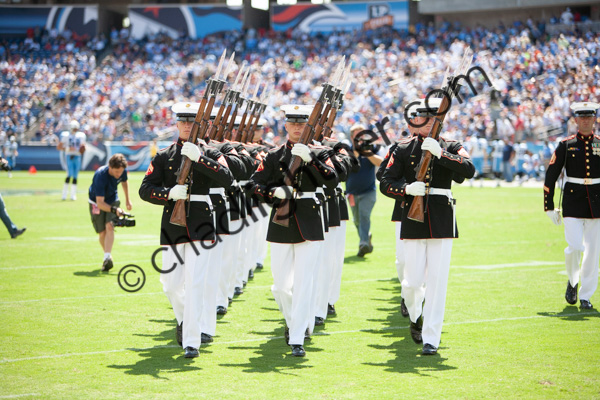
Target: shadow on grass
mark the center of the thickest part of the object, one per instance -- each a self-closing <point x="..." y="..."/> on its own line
<point x="572" y="313"/>
<point x="354" y="259"/>
<point x="91" y="274"/>
<point x="273" y="355"/>
<point x="161" y="359"/>
<point x="406" y="354"/>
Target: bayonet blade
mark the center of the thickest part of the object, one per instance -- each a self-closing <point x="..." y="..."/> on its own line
<point x="220" y="64"/>
<point x="238" y="76"/>
<point x="256" y="88"/>
<point x="228" y="68"/>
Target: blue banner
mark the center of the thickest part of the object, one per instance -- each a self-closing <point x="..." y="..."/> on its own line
<point x="81" y="21"/>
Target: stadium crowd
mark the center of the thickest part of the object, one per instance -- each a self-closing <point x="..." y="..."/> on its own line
<point x="50" y="78"/>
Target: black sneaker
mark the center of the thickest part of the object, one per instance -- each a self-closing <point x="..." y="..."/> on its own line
<point x="362" y="250"/>
<point x="17" y="233"/>
<point x="415" y="330"/>
<point x="330" y="309"/>
<point x="107" y="264"/>
<point x="571" y="293"/>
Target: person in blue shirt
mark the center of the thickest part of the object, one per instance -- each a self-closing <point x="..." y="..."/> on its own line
<point x="360" y="187"/>
<point x="104" y="202"/>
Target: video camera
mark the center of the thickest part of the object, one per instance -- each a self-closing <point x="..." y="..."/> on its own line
<point x="125" y="220"/>
<point x="4" y="165"/>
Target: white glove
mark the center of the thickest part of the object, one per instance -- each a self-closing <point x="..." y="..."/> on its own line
<point x="415" y="189"/>
<point x="283" y="192"/>
<point x="178" y="192"/>
<point x="554" y="216"/>
<point x="302" y="151"/>
<point x="191" y="151"/>
<point x="432" y="146"/>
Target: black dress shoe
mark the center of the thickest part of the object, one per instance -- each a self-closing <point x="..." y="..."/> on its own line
<point x="330" y="309"/>
<point x="18" y="232"/>
<point x="259" y="266"/>
<point x="229" y="301"/>
<point x="206" y="338"/>
<point x="179" y="333"/>
<point x="221" y="310"/>
<point x="238" y="290"/>
<point x="298" y="350"/>
<point x="244" y="283"/>
<point x="586" y="305"/>
<point x="571" y="293"/>
<point x="306" y="334"/>
<point x="403" y="309"/>
<point x="429" y="349"/>
<point x="319" y="321"/>
<point x="415" y="330"/>
<point x="286" y="335"/>
<point x="191" y="352"/>
<point x="250" y="274"/>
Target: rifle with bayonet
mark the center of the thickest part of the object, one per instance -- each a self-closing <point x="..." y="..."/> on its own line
<point x="228" y="100"/>
<point x="448" y="91"/>
<point x="328" y="117"/>
<point x="282" y="215"/>
<point x="213" y="88"/>
<point x="259" y="108"/>
<point x="226" y="132"/>
<point x="248" y="110"/>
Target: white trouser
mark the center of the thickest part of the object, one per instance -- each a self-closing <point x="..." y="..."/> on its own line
<point x="583" y="236"/>
<point x="323" y="274"/>
<point x="338" y="265"/>
<point x="184" y="285"/>
<point x="399" y="253"/>
<point x="231" y="245"/>
<point x="426" y="278"/>
<point x="263" y="225"/>
<point x="293" y="268"/>
<point x="208" y="322"/>
<point x="241" y="272"/>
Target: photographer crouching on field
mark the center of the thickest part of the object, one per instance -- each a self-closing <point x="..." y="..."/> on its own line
<point x="360" y="186"/>
<point x="12" y="228"/>
<point x="104" y="203"/>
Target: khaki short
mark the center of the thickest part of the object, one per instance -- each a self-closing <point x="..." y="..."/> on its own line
<point x="99" y="220"/>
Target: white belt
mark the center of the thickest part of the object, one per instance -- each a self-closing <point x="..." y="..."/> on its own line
<point x="584" y="181"/>
<point x="242" y="183"/>
<point x="447" y="193"/>
<point x="201" y="197"/>
<point x="319" y="190"/>
<point x="441" y="192"/>
<point x="305" y="195"/>
<point x="217" y="190"/>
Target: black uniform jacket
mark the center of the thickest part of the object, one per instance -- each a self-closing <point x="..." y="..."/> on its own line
<point x="305" y="223"/>
<point x="580" y="156"/>
<point x="345" y="162"/>
<point x="400" y="171"/>
<point x="209" y="171"/>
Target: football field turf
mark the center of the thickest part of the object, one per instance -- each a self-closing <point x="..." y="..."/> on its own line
<point x="69" y="331"/>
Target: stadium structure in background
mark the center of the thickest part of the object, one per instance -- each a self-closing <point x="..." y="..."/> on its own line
<point x="196" y="19"/>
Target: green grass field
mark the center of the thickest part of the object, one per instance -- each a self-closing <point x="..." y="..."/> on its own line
<point x="70" y="332"/>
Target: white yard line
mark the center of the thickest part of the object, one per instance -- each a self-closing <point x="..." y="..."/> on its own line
<point x="16" y="396"/>
<point x="329" y="333"/>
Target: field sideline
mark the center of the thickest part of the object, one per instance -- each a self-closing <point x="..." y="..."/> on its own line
<point x="70" y="332"/>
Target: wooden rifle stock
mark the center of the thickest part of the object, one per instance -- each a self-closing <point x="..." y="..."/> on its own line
<point x="322" y="122"/>
<point x="417" y="208"/>
<point x="219" y="136"/>
<point x="283" y="213"/>
<point x="178" y="216"/>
